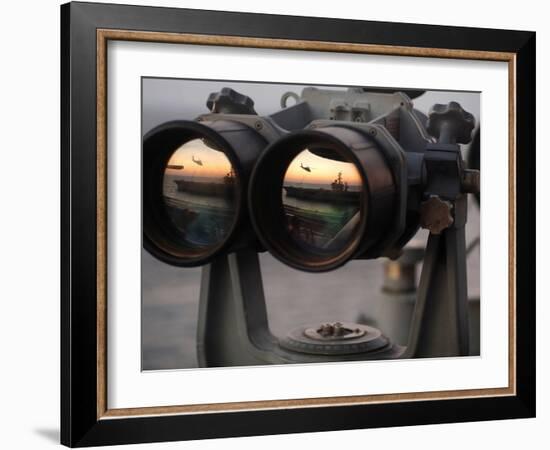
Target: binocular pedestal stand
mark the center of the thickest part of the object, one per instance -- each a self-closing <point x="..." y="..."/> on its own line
<point x="233" y="327"/>
<point x="440" y="320"/>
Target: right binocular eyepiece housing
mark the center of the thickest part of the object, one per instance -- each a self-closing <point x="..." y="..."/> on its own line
<point x="337" y="176"/>
<point x="354" y="207"/>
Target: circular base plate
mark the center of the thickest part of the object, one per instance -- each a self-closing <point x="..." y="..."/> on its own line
<point x="358" y="339"/>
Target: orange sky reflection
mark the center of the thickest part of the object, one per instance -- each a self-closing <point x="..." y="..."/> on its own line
<point x="199" y="160"/>
<point x="323" y="170"/>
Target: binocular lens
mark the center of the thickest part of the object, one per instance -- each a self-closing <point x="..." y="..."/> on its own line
<point x="321" y="196"/>
<point x="195" y="177"/>
<point x="200" y="194"/>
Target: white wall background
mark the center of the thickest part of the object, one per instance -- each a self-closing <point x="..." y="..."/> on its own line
<point x="29" y="225"/>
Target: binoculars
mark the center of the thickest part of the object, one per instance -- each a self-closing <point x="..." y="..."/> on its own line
<point x="336" y="176"/>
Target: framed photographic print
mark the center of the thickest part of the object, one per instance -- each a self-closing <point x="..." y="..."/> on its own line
<point x="275" y="224"/>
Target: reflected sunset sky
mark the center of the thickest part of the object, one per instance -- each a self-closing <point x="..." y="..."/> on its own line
<point x="323" y="170"/>
<point x="214" y="163"/>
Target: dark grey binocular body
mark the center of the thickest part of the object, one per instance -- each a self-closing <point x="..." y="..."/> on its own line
<point x="338" y="175"/>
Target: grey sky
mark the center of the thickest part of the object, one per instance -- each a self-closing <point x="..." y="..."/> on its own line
<point x="170" y="99"/>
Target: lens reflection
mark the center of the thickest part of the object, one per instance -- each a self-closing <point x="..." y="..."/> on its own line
<point x="200" y="193"/>
<point x="322" y="201"/>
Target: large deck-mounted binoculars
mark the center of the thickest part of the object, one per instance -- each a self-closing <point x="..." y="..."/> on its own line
<point x="337" y="175"/>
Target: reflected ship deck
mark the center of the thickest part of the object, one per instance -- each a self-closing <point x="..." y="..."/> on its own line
<point x="206" y="188"/>
<point x="323" y="195"/>
<point x="318" y="217"/>
<point x="316" y="227"/>
<point x="188" y="216"/>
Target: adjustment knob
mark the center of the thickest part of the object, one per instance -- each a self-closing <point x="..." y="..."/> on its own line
<point x="229" y="101"/>
<point x="435" y="215"/>
<point x="450" y="123"/>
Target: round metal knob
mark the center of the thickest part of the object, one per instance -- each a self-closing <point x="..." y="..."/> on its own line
<point x="450" y="123"/>
<point x="435" y="215"/>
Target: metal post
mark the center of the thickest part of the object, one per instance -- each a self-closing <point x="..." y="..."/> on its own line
<point x="440" y="320"/>
<point x="233" y="328"/>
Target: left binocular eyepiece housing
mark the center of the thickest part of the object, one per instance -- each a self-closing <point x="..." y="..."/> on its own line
<point x="195" y="179"/>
